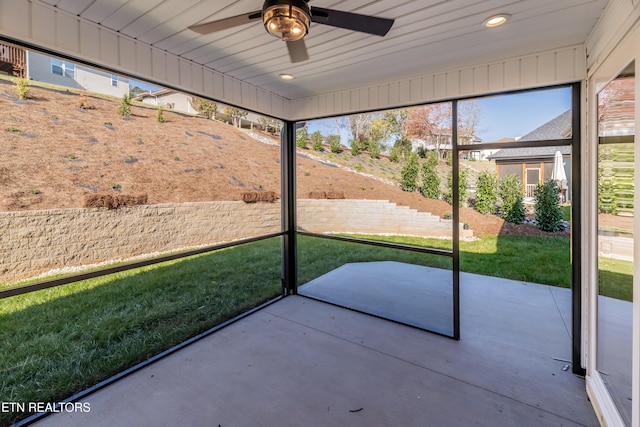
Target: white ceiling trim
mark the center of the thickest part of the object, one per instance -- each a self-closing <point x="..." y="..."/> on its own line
<point x="43" y="25"/>
<point x="52" y="29"/>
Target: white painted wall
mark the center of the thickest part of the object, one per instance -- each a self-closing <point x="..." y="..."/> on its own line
<point x="614" y="43"/>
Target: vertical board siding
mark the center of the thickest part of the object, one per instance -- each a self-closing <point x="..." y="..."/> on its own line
<point x="558" y="66"/>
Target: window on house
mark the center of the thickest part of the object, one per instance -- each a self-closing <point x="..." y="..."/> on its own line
<point x="114" y="80"/>
<point x="63" y="68"/>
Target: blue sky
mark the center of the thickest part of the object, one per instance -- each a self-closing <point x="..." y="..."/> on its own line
<point x="501" y="116"/>
<point x="143" y="85"/>
<point x="518" y="114"/>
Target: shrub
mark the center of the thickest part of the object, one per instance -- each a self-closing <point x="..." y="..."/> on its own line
<point x="510" y="192"/>
<point x="334" y="143"/>
<point x="22" y="88"/>
<point x="316" y="141"/>
<point x="548" y="212"/>
<point x="409" y="174"/>
<point x="160" y="114"/>
<point x="394" y="155"/>
<point x="356" y="147"/>
<point x="374" y="149"/>
<point x="486" y="192"/>
<point x="430" y="178"/>
<point x="463" y="179"/>
<point x="301" y="138"/>
<point x="125" y="105"/>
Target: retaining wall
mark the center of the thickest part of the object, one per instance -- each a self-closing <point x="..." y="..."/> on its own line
<point x="34" y="242"/>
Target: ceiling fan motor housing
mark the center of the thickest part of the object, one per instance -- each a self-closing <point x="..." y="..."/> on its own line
<point x="288" y="20"/>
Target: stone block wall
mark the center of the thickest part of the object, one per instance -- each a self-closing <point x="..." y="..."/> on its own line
<point x="35" y="242"/>
<point x="370" y="217"/>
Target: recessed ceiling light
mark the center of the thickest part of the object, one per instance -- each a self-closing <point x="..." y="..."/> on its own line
<point x="285" y="76"/>
<point x="496" y="20"/>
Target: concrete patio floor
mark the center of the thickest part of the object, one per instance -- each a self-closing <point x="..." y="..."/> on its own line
<point x="302" y="362"/>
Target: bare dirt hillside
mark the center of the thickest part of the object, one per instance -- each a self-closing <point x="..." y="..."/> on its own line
<point x="60" y="147"/>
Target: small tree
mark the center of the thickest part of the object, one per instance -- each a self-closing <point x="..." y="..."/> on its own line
<point x="301" y="137"/>
<point x="373" y="147"/>
<point x="394" y="154"/>
<point x="463" y="178"/>
<point x="160" y="114"/>
<point x="409" y="174"/>
<point x="486" y="192"/>
<point x="236" y="115"/>
<point x="22" y="88"/>
<point x="316" y="141"/>
<point x="125" y="105"/>
<point x="548" y="213"/>
<point x="356" y="147"/>
<point x="430" y="178"/>
<point x="334" y="143"/>
<point x="204" y="107"/>
<point x="510" y="192"/>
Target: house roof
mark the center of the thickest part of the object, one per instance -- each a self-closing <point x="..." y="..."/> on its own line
<point x="557" y="128"/>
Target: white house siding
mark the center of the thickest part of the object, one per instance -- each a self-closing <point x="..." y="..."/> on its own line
<point x="89" y="79"/>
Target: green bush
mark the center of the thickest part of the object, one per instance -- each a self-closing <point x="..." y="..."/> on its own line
<point x="486" y="192"/>
<point x="548" y="212"/>
<point x="510" y="192"/>
<point x="301" y="138"/>
<point x="125" y="105"/>
<point x="316" y="141"/>
<point x="394" y="155"/>
<point x="334" y="143"/>
<point x="22" y="88"/>
<point x="356" y="147"/>
<point x="430" y="178"/>
<point x="374" y="149"/>
<point x="160" y="114"/>
<point x="409" y="174"/>
<point x="463" y="179"/>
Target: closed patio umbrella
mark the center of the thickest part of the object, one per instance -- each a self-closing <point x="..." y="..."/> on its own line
<point x="558" y="175"/>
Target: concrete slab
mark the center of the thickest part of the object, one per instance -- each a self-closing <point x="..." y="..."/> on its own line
<point x="411" y="294"/>
<point x="303" y="362"/>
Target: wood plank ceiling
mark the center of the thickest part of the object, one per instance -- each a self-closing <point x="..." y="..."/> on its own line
<point x="428" y="36"/>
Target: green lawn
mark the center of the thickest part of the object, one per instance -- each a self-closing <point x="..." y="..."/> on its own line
<point x="58" y="341"/>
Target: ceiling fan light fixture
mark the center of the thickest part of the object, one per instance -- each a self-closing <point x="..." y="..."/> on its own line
<point x="287" y="20"/>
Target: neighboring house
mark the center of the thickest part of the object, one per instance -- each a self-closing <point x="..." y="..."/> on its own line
<point x="534" y="165"/>
<point x="13" y="61"/>
<point x="442" y="144"/>
<point x="178" y="101"/>
<point x="56" y="71"/>
<point x="168" y="98"/>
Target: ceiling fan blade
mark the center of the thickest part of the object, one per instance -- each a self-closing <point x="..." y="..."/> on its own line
<point x="297" y="51"/>
<point x="223" y="24"/>
<point x="351" y="21"/>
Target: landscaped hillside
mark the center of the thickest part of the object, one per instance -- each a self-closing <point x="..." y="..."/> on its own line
<point x="59" y="147"/>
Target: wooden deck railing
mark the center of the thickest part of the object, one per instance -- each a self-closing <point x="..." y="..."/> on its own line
<point x="14" y="60"/>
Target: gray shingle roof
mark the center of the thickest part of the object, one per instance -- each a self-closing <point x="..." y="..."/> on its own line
<point x="556" y="128"/>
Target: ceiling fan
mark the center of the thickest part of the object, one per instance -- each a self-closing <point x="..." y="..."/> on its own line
<point x="289" y="20"/>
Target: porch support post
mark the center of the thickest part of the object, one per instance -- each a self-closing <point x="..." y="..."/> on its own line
<point x="576" y="241"/>
<point x="289" y="224"/>
<point x="455" y="232"/>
